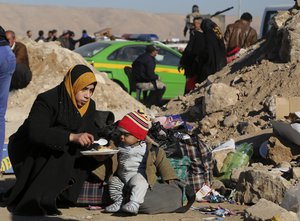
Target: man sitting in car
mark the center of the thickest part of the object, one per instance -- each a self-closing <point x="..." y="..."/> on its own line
<point x="143" y="69"/>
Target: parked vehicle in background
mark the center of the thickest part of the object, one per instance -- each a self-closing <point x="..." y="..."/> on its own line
<point x="268" y="14"/>
<point x="112" y="56"/>
<point x="141" y="37"/>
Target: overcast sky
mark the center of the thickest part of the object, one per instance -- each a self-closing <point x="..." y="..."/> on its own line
<point x="255" y="7"/>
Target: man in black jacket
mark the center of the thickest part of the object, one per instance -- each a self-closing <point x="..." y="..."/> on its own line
<point x="143" y="69"/>
<point x="85" y="39"/>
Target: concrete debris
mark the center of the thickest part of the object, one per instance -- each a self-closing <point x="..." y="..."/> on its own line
<point x="214" y="99"/>
<point x="277" y="152"/>
<point x="230" y="121"/>
<point x="254" y="184"/>
<point x="265" y="210"/>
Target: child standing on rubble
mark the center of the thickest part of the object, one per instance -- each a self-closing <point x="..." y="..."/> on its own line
<point x="137" y="165"/>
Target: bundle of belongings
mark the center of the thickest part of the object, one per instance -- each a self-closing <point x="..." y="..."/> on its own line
<point x="189" y="155"/>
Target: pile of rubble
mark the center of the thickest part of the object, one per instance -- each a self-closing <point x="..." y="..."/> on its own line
<point x="251" y="85"/>
<point x="267" y="70"/>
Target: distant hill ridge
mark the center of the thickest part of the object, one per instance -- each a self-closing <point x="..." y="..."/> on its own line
<point x="21" y="18"/>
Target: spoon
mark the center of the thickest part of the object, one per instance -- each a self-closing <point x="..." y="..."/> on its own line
<point x="101" y="142"/>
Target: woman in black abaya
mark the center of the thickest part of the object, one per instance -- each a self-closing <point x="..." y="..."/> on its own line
<point x="45" y="151"/>
<point x="215" y="49"/>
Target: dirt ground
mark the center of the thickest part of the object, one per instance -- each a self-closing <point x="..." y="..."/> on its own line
<point x="83" y="214"/>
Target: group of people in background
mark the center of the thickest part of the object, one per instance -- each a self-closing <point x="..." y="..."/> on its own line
<point x="208" y="51"/>
<point x="66" y="39"/>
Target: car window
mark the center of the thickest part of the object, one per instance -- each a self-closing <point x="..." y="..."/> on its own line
<point x="166" y="57"/>
<point x="89" y="50"/>
<point x="127" y="53"/>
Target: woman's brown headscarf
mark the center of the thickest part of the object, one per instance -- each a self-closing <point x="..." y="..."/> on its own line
<point x="77" y="78"/>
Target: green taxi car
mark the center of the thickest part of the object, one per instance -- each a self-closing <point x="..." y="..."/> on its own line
<point x="112" y="56"/>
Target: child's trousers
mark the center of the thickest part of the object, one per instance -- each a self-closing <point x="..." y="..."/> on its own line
<point x="137" y="184"/>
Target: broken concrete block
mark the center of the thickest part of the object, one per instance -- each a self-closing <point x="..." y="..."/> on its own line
<point x="218" y="186"/>
<point x="254" y="184"/>
<point x="285" y="216"/>
<point x="235" y="175"/>
<point x="277" y="152"/>
<point x="263" y="210"/>
<point x="290" y="201"/>
<point x="230" y="121"/>
<point x="214" y="99"/>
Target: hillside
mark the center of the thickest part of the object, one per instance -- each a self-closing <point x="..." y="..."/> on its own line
<point x="21" y="18"/>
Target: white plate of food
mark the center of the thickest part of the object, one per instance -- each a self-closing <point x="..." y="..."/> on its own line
<point x="100" y="151"/>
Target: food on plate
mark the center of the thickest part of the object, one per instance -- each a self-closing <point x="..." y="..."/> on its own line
<point x="105" y="148"/>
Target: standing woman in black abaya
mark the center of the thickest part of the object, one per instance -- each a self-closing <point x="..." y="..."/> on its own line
<point x="215" y="49"/>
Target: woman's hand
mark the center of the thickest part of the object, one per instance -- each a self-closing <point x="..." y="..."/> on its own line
<point x="84" y="139"/>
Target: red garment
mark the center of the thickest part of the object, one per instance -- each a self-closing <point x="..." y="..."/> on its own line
<point x="136" y="123"/>
<point x="231" y="55"/>
<point x="190" y="83"/>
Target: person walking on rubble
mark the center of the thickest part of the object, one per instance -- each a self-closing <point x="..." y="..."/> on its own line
<point x="193" y="56"/>
<point x="205" y="53"/>
<point x="189" y="20"/>
<point x="215" y="49"/>
<point x="239" y="34"/>
<point x="7" y="67"/>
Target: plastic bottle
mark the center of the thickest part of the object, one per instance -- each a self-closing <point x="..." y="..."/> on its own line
<point x="239" y="158"/>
